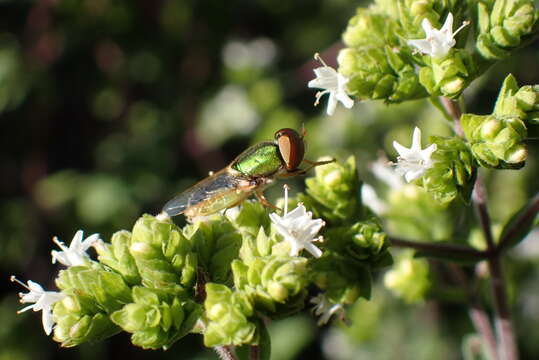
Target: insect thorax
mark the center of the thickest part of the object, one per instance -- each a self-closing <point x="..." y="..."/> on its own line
<point x="262" y="159"/>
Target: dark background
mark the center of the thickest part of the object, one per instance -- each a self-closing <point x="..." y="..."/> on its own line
<point x="108" y="108"/>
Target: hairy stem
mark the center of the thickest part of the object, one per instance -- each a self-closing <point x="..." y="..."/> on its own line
<point x="441" y="249"/>
<point x="527" y="216"/>
<point x="504" y="327"/>
<point x="476" y="312"/>
<point x="452" y="107"/>
<point x="224" y="352"/>
<point x="254" y="352"/>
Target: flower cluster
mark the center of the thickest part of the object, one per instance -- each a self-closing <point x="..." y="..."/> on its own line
<point x="220" y="276"/>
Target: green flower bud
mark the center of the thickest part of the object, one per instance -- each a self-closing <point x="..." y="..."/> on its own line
<point x="496" y="141"/>
<point x="448" y="76"/>
<point x="252" y="215"/>
<point x="364" y="241"/>
<point x="105" y="290"/>
<point x="412" y="13"/>
<point x="228" y="313"/>
<point x="453" y="170"/>
<point x="79" y="320"/>
<point x="343" y="278"/>
<point x="409" y="278"/>
<point x="262" y="245"/>
<point x="370" y="28"/>
<point x="503" y="25"/>
<point x="155" y="318"/>
<point x="414" y="214"/>
<point x="116" y="255"/>
<point x="517" y="102"/>
<point x="380" y="73"/>
<point x="333" y="193"/>
<point x="163" y="255"/>
<point x="273" y="280"/>
<point x="217" y="243"/>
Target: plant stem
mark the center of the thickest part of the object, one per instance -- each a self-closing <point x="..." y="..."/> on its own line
<point x="476" y="312"/>
<point x="224" y="352"/>
<point x="504" y="328"/>
<point x="441" y="249"/>
<point x="528" y="215"/>
<point x="254" y="352"/>
<point x="453" y="109"/>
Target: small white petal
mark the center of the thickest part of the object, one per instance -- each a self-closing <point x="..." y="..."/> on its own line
<point x="76" y="254"/>
<point x="298" y="229"/>
<point x="413" y="162"/>
<point x="332" y="83"/>
<point x="43" y="301"/>
<point x="437" y="43"/>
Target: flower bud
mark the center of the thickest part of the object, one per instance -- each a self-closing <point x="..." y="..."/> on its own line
<point x="80" y="319"/>
<point x="453" y="170"/>
<point x="409" y="278"/>
<point x="332" y="194"/>
<point x="503" y="25"/>
<point x="364" y="241"/>
<point x="116" y="255"/>
<point x="216" y="243"/>
<point x="370" y="28"/>
<point x="448" y="76"/>
<point x="379" y="73"/>
<point x="163" y="255"/>
<point x="234" y="328"/>
<point x="156" y="319"/>
<point x="496" y="141"/>
<point x="273" y="281"/>
<point x="95" y="288"/>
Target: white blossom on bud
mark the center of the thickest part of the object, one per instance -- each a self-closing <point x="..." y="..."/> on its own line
<point x="437" y="43"/>
<point x="332" y="83"/>
<point x="42" y="301"/>
<point x="76" y="254"/>
<point x="324" y="308"/>
<point x="413" y="162"/>
<point x="298" y="228"/>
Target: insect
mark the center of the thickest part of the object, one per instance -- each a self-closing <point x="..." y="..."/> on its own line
<point x="250" y="173"/>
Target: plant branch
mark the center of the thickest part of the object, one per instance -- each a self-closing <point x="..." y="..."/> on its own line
<point x="476" y="312"/>
<point x="504" y="327"/>
<point x="526" y="216"/>
<point x="441" y="249"/>
<point x="254" y="352"/>
<point x="452" y="107"/>
<point x="224" y="352"/>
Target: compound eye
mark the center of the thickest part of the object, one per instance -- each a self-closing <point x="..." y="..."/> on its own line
<point x="291" y="148"/>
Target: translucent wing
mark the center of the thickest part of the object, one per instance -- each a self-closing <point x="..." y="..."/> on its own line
<point x="216" y="192"/>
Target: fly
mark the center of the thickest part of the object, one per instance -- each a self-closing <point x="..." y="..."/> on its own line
<point x="250" y="173"/>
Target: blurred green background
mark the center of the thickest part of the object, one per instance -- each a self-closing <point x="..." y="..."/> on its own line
<point x="109" y="108"/>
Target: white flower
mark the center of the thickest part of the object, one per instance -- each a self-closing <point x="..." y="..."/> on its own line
<point x="328" y="79"/>
<point x="371" y="200"/>
<point x="76" y="253"/>
<point x="324" y="308"/>
<point x="413" y="162"/>
<point x="437" y="43"/>
<point x="384" y="171"/>
<point x="298" y="228"/>
<point x="43" y="301"/>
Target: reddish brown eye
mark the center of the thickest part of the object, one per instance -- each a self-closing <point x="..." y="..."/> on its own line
<point x="291" y="148"/>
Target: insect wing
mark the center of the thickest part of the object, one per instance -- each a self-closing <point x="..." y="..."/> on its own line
<point x="219" y="189"/>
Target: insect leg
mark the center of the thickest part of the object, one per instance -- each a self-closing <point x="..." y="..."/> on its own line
<point x="260" y="196"/>
<point x="312" y="164"/>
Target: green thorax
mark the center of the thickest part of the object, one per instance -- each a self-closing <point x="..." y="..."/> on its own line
<point x="261" y="159"/>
